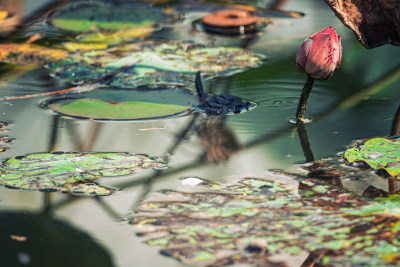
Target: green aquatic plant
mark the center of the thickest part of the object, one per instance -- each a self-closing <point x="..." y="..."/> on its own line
<point x="71" y="172"/>
<point x="382" y="154"/>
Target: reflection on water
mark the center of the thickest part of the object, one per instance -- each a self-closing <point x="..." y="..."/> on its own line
<point x="212" y="148"/>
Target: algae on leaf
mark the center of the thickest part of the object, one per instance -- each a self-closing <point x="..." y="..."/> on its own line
<point x="71" y="172"/>
<point x="154" y="62"/>
<point x="378" y="153"/>
<point x="213" y="219"/>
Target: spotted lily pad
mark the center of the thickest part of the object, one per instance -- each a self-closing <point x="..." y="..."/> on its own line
<point x="70" y="172"/>
<point x="154" y="62"/>
<point x="253" y="220"/>
<point x="378" y="153"/>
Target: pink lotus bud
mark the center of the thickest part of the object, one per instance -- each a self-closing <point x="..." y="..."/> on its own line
<point x="320" y="54"/>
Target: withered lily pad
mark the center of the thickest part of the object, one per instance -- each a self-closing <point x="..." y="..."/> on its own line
<point x="253" y="220"/>
<point x="374" y="23"/>
<point x="378" y="153"/>
<point x="155" y="62"/>
<point x="70" y="172"/>
<point x="4" y="141"/>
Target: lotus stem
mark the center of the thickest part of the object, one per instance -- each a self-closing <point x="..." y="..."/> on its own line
<point x="305" y="95"/>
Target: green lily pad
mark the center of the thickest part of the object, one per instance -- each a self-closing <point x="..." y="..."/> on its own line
<point x="131" y="110"/>
<point x="256" y="219"/>
<point x="378" y="153"/>
<point x="111" y="104"/>
<point x="70" y="172"/>
<point x="109" y="17"/>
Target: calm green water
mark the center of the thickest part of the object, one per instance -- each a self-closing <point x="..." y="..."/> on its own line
<point x="266" y="138"/>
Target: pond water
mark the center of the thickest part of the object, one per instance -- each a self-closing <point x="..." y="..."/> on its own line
<point x="349" y="106"/>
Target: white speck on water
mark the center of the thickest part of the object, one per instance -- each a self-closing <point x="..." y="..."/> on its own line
<point x="23" y="258"/>
<point x="191" y="181"/>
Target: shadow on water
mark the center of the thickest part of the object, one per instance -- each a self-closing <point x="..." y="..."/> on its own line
<point x="40" y="240"/>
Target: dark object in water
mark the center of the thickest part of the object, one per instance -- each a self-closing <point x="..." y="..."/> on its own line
<point x="231" y="21"/>
<point x="219" y="104"/>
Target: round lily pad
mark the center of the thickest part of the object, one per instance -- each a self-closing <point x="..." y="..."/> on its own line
<point x="86" y="18"/>
<point x="378" y="153"/>
<point x="112" y="104"/>
<point x="70" y="172"/>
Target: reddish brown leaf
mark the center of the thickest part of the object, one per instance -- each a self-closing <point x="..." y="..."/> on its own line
<point x="375" y="23"/>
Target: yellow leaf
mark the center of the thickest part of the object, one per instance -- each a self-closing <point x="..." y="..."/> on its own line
<point x="3" y="15"/>
<point x="29" y="53"/>
<point x="71" y="46"/>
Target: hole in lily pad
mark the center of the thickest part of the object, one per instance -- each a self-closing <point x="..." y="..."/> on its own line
<point x="120" y="104"/>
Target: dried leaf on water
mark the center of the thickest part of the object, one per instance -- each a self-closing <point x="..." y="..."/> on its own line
<point x="220" y="218"/>
<point x="155" y="62"/>
<point x="375" y="23"/>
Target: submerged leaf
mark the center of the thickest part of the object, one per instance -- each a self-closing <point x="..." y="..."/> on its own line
<point x="378" y="153"/>
<point x="70" y="172"/>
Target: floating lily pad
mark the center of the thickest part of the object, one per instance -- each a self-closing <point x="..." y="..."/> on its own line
<point x="253" y="220"/>
<point x="4" y="141"/>
<point x="113" y="104"/>
<point x="116" y="37"/>
<point x="155" y="62"/>
<point x="378" y="153"/>
<point x="108" y="17"/>
<point x="70" y="172"/>
<point x="26" y="54"/>
<point x="129" y="110"/>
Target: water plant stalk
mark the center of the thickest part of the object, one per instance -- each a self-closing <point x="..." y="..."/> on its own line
<point x="305" y="95"/>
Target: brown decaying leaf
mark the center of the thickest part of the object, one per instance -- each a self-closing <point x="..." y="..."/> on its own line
<point x="374" y="23"/>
